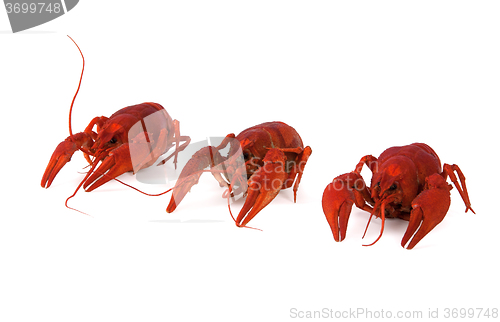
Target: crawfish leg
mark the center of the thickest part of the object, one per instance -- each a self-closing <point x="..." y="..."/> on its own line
<point x="370" y="161"/>
<point x="221" y="164"/>
<point x="449" y="170"/>
<point x="178" y="148"/>
<point x="97" y="121"/>
<point x="297" y="170"/>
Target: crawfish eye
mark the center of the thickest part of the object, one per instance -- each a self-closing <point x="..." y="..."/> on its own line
<point x="112" y="141"/>
<point x="393" y="187"/>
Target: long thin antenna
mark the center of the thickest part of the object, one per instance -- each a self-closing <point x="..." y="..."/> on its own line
<point x="78" y="89"/>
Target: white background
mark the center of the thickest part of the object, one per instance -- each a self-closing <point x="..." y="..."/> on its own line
<point x="353" y="78"/>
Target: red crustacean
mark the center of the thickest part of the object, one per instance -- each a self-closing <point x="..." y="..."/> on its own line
<point x="131" y="139"/>
<point x="265" y="158"/>
<point x="407" y="183"/>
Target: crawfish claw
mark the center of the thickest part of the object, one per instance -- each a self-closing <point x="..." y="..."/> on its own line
<point x="118" y="162"/>
<point x="263" y="186"/>
<point x="428" y="209"/>
<point x="62" y="155"/>
<point x="337" y="202"/>
<point x="133" y="156"/>
<point x="344" y="191"/>
<point x="191" y="173"/>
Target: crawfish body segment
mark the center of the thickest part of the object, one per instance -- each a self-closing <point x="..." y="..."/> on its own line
<point x="407" y="183"/>
<point x="257" y="140"/>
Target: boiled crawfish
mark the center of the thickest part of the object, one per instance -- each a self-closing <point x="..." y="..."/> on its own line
<point x="266" y="158"/>
<point x="407" y="183"/>
<point x="131" y="139"/>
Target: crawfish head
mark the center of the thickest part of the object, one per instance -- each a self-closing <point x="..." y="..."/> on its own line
<point x="245" y="151"/>
<point x="111" y="136"/>
<point x="394" y="186"/>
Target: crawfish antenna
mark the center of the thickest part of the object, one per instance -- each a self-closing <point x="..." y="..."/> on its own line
<point x="79" y="83"/>
<point x="78" y="188"/>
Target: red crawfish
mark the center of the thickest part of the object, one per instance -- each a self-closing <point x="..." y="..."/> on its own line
<point x="262" y="160"/>
<point x="131" y="139"/>
<point x="407" y="183"/>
